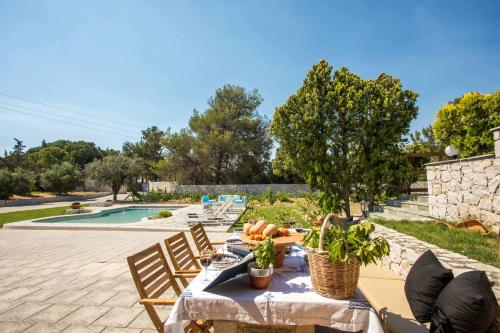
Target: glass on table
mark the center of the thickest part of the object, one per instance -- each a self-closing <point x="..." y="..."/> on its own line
<point x="206" y="257"/>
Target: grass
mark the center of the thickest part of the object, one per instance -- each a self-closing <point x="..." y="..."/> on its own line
<point x="32" y="214"/>
<point x="474" y="245"/>
<point x="270" y="213"/>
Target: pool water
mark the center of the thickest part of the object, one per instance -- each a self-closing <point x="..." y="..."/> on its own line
<point x="111" y="216"/>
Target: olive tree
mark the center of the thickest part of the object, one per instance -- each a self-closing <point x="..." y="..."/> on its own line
<point x="61" y="178"/>
<point x="115" y="171"/>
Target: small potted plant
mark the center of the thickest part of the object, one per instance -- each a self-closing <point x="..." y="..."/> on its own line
<point x="261" y="270"/>
<point x="76" y="205"/>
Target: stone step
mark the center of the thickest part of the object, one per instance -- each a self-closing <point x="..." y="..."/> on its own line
<point x="392" y="212"/>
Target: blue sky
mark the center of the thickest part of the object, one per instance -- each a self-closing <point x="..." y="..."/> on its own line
<point x="151" y="62"/>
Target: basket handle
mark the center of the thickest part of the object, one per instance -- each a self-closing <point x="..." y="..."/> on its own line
<point x="326" y="223"/>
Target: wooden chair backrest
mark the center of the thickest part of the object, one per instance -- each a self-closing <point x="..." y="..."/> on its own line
<point x="181" y="255"/>
<point x="152" y="277"/>
<point x="200" y="238"/>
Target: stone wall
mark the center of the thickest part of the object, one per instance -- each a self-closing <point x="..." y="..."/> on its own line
<point x="37" y="201"/>
<point x="224" y="189"/>
<point x="466" y="188"/>
<point x="405" y="250"/>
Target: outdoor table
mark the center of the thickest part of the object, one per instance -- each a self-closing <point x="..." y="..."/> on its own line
<point x="289" y="300"/>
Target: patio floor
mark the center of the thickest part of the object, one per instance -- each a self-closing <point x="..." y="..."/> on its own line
<point x="72" y="281"/>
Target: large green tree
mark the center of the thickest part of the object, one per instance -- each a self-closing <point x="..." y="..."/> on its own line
<point x="342" y="133"/>
<point x="115" y="171"/>
<point x="466" y="122"/>
<point x="61" y="178"/>
<point x="150" y="149"/>
<point x="387" y="113"/>
<point x="227" y="143"/>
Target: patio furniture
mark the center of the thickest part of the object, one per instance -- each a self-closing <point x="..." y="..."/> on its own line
<point x="152" y="278"/>
<point x="201" y="239"/>
<point x="182" y="256"/>
<point x="290" y="300"/>
<point x="384" y="289"/>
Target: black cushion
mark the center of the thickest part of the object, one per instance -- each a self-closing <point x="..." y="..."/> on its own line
<point x="466" y="304"/>
<point x="423" y="284"/>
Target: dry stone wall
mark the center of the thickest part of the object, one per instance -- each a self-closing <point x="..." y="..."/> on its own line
<point x="228" y="188"/>
<point x="466" y="188"/>
<point x="405" y="250"/>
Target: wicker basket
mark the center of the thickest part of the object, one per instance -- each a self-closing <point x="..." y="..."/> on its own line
<point x="333" y="280"/>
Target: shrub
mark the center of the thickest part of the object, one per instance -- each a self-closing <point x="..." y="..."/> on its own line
<point x="6" y="188"/>
<point x="269" y="196"/>
<point x="283" y="197"/>
<point x="61" y="178"/>
<point x="22" y="182"/>
<point x="164" y="213"/>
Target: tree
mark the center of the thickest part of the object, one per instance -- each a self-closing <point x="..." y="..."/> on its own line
<point x="228" y="143"/>
<point x="15" y="158"/>
<point x="317" y="128"/>
<point x="466" y="122"/>
<point x="61" y="178"/>
<point x="22" y="182"/>
<point x="424" y="141"/>
<point x="342" y="134"/>
<point x="150" y="148"/>
<point x="115" y="171"/>
<point x="387" y="114"/>
<point x="6" y="188"/>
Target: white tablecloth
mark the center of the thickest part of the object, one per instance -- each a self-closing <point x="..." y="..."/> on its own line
<point x="289" y="300"/>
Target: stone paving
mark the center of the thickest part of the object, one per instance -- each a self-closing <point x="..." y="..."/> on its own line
<point x="73" y="281"/>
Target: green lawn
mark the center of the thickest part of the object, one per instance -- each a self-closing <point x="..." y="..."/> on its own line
<point x="31" y="214"/>
<point x="471" y="244"/>
<point x="270" y="214"/>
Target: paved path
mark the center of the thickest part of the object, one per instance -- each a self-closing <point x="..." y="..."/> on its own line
<point x="57" y="204"/>
<point x="72" y="281"/>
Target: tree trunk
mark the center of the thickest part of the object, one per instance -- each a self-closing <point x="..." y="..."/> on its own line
<point x="371" y="201"/>
<point x="115" y="195"/>
<point x="347" y="204"/>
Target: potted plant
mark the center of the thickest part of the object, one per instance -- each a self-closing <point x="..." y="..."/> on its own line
<point x="75" y="205"/>
<point x="261" y="270"/>
<point x="337" y="253"/>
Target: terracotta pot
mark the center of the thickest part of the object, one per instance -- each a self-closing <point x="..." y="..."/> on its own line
<point x="75" y="205"/>
<point x="280" y="252"/>
<point x="259" y="278"/>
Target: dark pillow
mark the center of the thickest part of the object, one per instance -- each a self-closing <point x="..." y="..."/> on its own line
<point x="423" y="284"/>
<point x="467" y="304"/>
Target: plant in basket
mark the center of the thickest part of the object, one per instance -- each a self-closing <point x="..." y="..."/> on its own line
<point x="335" y="255"/>
<point x="261" y="270"/>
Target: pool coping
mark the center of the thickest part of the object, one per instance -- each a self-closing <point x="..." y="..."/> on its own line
<point x="178" y="217"/>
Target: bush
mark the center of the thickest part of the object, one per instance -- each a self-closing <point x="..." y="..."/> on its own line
<point x="269" y="196"/>
<point x="6" y="188"/>
<point x="61" y="178"/>
<point x="22" y="182"/>
<point x="164" y="213"/>
<point x="18" y="182"/>
<point x="283" y="197"/>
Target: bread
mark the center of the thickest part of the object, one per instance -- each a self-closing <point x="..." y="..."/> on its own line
<point x="246" y="228"/>
<point x="270" y="230"/>
<point x="258" y="227"/>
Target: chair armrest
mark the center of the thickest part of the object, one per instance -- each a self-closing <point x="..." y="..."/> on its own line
<point x="217" y="243"/>
<point x="197" y="257"/>
<point x="158" y="301"/>
<point x="185" y="275"/>
<point x="187" y="271"/>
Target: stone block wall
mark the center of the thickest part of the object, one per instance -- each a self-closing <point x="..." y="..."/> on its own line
<point x="227" y="189"/>
<point x="405" y="250"/>
<point x="466" y="188"/>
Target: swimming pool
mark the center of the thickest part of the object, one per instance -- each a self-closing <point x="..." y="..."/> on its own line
<point x="111" y="216"/>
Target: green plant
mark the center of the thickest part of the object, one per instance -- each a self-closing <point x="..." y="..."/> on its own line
<point x="269" y="196"/>
<point x="61" y="178"/>
<point x="164" y="213"/>
<point x="6" y="189"/>
<point x="283" y="197"/>
<point x="466" y="122"/>
<point x="264" y="253"/>
<point x="22" y="182"/>
<point x="354" y="241"/>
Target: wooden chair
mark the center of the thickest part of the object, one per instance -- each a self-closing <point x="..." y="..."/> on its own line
<point x="182" y="257"/>
<point x="153" y="277"/>
<point x="201" y="239"/>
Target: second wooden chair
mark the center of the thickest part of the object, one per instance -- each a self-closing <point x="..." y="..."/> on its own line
<point x="182" y="257"/>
